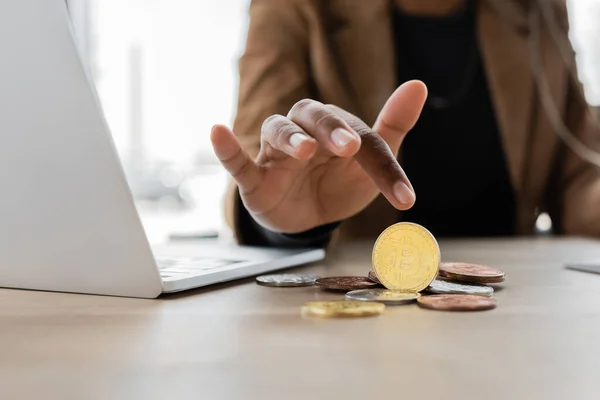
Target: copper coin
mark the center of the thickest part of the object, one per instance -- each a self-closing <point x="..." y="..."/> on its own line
<point x="467" y="279"/>
<point x="457" y="302"/>
<point x="373" y="276"/>
<point x="471" y="272"/>
<point x="346" y="283"/>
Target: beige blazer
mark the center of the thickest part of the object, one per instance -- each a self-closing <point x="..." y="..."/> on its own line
<point x="342" y="52"/>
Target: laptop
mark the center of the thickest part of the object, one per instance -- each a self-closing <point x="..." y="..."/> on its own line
<point x="68" y="221"/>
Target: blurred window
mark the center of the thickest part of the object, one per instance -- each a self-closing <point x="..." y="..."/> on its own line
<point x="166" y="71"/>
<point x="585" y="37"/>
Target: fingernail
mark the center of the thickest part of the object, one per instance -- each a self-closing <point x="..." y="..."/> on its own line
<point x="403" y="193"/>
<point x="341" y="137"/>
<point x="296" y="140"/>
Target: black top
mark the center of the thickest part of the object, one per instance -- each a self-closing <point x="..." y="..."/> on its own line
<point x="453" y="156"/>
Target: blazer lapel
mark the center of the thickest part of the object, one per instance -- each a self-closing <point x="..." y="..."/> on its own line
<point x="363" y="50"/>
<point x="506" y="59"/>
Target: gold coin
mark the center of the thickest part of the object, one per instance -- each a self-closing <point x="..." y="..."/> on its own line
<point x="342" y="309"/>
<point x="406" y="257"/>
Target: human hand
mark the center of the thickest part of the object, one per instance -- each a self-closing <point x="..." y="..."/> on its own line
<point x="321" y="164"/>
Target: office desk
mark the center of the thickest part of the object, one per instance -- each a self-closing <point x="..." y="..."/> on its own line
<point x="244" y="341"/>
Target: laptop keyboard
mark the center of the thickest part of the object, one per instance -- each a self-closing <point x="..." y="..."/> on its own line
<point x="184" y="267"/>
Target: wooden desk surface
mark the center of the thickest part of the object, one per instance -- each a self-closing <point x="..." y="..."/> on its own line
<point x="244" y="341"/>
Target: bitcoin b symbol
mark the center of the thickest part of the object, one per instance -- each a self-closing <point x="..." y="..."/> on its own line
<point x="407" y="254"/>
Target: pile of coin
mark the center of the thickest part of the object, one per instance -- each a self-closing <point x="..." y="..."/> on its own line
<point x="407" y="268"/>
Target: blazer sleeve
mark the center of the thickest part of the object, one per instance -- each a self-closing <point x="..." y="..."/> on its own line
<point x="274" y="75"/>
<point x="575" y="187"/>
<point x="580" y="179"/>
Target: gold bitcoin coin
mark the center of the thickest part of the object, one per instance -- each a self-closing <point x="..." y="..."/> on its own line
<point x="342" y="309"/>
<point x="406" y="257"/>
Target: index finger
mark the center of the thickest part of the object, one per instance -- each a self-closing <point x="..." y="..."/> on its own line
<point x="380" y="163"/>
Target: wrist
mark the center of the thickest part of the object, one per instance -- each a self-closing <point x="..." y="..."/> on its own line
<point x="256" y="234"/>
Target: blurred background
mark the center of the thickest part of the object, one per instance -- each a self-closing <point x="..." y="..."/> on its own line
<point x="166" y="71"/>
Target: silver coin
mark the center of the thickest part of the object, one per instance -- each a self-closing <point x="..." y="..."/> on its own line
<point x="446" y="287"/>
<point x="286" y="280"/>
<point x="384" y="296"/>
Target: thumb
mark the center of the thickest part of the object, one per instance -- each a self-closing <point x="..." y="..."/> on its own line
<point x="400" y="113"/>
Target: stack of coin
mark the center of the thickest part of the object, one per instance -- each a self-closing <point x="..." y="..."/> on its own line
<point x="465" y="272"/>
<point x="406" y="262"/>
<point x="460" y="284"/>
